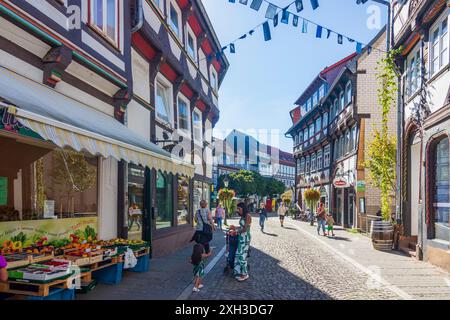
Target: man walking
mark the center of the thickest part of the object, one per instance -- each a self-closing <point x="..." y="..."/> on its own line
<point x="262" y="215"/>
<point x="321" y="219"/>
<point x="220" y="212"/>
<point x="282" y="213"/>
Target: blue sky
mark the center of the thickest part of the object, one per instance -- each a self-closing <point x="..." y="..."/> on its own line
<point x="265" y="78"/>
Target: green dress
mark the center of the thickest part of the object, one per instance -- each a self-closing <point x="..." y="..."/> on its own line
<point x="241" y="265"/>
<point x="199" y="269"/>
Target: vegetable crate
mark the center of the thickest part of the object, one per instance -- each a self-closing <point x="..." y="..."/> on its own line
<point x="111" y="274"/>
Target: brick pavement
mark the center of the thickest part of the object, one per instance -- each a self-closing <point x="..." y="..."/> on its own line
<point x="296" y="263"/>
<point x="166" y="280"/>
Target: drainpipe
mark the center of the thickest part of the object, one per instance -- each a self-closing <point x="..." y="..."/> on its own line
<point x="139" y="17"/>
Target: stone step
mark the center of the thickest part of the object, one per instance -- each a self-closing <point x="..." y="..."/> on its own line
<point x="409" y="251"/>
<point x="412" y="245"/>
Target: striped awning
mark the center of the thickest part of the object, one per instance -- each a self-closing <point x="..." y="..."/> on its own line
<point x="68" y="123"/>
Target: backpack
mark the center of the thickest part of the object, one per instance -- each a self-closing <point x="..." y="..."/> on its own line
<point x="207" y="228"/>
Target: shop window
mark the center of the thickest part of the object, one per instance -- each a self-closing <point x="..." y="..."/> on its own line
<point x="439" y="41"/>
<point x="46" y="184"/>
<point x="441" y="190"/>
<point x="104" y="19"/>
<point x="136" y="181"/>
<point x="183" y="116"/>
<point x="183" y="201"/>
<point x="163" y="101"/>
<point x="164" y="200"/>
<point x="198" y="195"/>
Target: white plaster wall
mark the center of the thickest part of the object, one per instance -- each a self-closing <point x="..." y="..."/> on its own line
<point x="107" y="204"/>
<point x="141" y="80"/>
<point x="209" y="162"/>
<point x="151" y="17"/>
<point x="138" y="119"/>
<point x="203" y="63"/>
<point x="92" y="78"/>
<point x="22" y="39"/>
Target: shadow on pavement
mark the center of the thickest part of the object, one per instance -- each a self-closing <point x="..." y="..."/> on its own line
<point x="270" y="234"/>
<point x="268" y="281"/>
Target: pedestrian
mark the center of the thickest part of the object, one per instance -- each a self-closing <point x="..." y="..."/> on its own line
<point x="282" y="213"/>
<point x="262" y="215"/>
<point x="310" y="216"/>
<point x="205" y="226"/>
<point x="243" y="231"/>
<point x="232" y="240"/>
<point x="330" y="224"/>
<point x="321" y="219"/>
<point x="198" y="258"/>
<point x="3" y="271"/>
<point x="220" y="213"/>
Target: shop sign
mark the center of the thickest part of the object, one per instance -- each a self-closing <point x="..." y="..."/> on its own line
<point x="29" y="232"/>
<point x="340" y="183"/>
<point x="361" y="186"/>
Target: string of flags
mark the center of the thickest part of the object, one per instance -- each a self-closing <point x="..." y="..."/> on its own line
<point x="282" y="15"/>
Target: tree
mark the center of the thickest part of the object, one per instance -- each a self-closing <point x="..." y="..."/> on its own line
<point x="382" y="149"/>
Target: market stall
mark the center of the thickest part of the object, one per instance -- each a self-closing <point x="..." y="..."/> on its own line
<point x="55" y="271"/>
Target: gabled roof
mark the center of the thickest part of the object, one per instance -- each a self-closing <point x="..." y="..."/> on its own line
<point x="327" y="75"/>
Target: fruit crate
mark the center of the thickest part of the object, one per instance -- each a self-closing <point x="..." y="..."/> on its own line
<point x="17" y="260"/>
<point x="35" y="258"/>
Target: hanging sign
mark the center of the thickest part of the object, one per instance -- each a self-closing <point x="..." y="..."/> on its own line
<point x="361" y="186"/>
<point x="340" y="182"/>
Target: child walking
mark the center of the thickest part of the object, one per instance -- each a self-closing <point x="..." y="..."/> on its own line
<point x="330" y="224"/>
<point x="198" y="260"/>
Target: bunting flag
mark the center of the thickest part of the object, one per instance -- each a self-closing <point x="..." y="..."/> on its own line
<point x="299" y="5"/>
<point x="358" y="48"/>
<point x="275" y="20"/>
<point x="271" y="11"/>
<point x="319" y="32"/>
<point x="285" y="16"/>
<point x="266" y="29"/>
<point x="305" y="26"/>
<point x="256" y="4"/>
<point x="295" y="21"/>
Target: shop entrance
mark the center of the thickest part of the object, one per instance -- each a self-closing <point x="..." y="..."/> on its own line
<point x="351" y="209"/>
<point x="139" y="223"/>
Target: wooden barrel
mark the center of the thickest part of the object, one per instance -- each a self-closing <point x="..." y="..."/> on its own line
<point x="382" y="234"/>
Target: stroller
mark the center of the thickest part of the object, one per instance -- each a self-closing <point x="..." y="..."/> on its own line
<point x="232" y="245"/>
<point x="232" y="241"/>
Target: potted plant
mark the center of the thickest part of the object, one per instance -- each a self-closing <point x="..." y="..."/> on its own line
<point x="312" y="197"/>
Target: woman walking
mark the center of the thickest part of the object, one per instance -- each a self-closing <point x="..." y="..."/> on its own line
<point x="205" y="226"/>
<point x="262" y="215"/>
<point x="282" y="213"/>
<point x="243" y="231"/>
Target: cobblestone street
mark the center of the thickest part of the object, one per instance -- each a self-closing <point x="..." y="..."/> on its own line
<point x="294" y="263"/>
